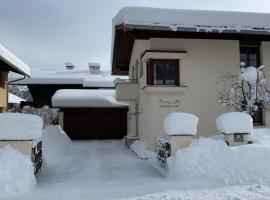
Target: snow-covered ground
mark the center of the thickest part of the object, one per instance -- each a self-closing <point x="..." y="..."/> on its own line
<point x="108" y="170"/>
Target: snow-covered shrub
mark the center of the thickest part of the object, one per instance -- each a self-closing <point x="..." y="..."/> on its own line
<point x="16" y="172"/>
<point x="244" y="92"/>
<point x="49" y="115"/>
<point x="234" y="122"/>
<point x="178" y="123"/>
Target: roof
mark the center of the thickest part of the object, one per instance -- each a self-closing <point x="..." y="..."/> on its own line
<point x="77" y="76"/>
<point x="143" y="23"/>
<point x="85" y="98"/>
<point x="14" y="63"/>
<point x="14" y="99"/>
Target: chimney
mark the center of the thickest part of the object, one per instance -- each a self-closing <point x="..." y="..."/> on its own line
<point x="94" y="68"/>
<point x="69" y="65"/>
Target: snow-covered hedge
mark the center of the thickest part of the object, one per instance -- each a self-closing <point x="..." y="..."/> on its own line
<point x="16" y="172"/>
<point x="234" y="122"/>
<point x="18" y="126"/>
<point x="49" y="115"/>
<point x="178" y="123"/>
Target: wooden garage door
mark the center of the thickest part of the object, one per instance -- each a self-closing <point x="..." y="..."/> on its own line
<point x="97" y="123"/>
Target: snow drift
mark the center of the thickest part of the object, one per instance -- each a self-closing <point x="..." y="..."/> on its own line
<point x="181" y="124"/>
<point x="141" y="150"/>
<point x="18" y="126"/>
<point x="16" y="172"/>
<point x="234" y="122"/>
<point x="55" y="142"/>
<point x="211" y="162"/>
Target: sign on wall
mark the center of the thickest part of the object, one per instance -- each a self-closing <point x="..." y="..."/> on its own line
<point x="169" y="104"/>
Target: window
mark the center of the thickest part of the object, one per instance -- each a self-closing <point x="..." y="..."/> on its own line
<point x="250" y="55"/>
<point x="163" y="72"/>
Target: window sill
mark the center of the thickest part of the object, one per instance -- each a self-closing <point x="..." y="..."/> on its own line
<point x="164" y="89"/>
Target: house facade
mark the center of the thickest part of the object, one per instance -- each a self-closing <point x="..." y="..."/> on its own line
<point x="9" y="62"/>
<point x="174" y="59"/>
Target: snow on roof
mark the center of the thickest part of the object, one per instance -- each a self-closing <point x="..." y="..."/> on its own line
<point x="18" y="126"/>
<point x="200" y="20"/>
<point x="78" y="75"/>
<point x="234" y="122"/>
<point x="79" y="98"/>
<point x="14" y="99"/>
<point x="14" y="62"/>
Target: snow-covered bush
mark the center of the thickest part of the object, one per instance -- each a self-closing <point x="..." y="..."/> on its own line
<point x="178" y="123"/>
<point x="234" y="122"/>
<point x="16" y="172"/>
<point x="244" y="92"/>
<point x="49" y="115"/>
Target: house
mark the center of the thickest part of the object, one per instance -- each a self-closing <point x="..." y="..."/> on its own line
<point x="45" y="81"/>
<point x="174" y="58"/>
<point x="9" y="62"/>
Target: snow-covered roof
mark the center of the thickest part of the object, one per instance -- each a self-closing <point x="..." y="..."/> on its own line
<point x="80" y="76"/>
<point x="14" y="62"/>
<point x="200" y="20"/>
<point x="80" y="98"/>
<point x="14" y="99"/>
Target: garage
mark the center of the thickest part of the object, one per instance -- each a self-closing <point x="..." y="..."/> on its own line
<point x="91" y="114"/>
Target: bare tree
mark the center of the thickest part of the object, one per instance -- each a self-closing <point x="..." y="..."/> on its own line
<point x="245" y="91"/>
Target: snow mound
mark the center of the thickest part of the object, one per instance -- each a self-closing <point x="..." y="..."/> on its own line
<point x="140" y="149"/>
<point x="18" y="126"/>
<point x="55" y="142"/>
<point x="211" y="162"/>
<point x="16" y="172"/>
<point x="181" y="124"/>
<point x="234" y="122"/>
<point x="248" y="74"/>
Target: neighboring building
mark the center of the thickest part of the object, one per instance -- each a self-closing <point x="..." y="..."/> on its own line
<point x="46" y="81"/>
<point x="9" y="62"/>
<point x="174" y="59"/>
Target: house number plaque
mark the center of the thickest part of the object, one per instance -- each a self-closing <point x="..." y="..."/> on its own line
<point x="169" y="104"/>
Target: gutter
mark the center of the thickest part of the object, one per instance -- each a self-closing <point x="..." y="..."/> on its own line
<point x="17" y="79"/>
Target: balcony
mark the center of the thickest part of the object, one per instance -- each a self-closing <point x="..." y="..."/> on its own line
<point x="127" y="90"/>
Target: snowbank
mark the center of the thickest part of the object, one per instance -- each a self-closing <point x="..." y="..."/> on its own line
<point x="140" y="149"/>
<point x="181" y="124"/>
<point x="55" y="142"/>
<point x="16" y="172"/>
<point x="234" y="122"/>
<point x="85" y="98"/>
<point x="18" y="126"/>
<point x="211" y="162"/>
<point x="15" y="62"/>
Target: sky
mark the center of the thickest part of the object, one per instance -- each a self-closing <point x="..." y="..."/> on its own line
<point x="47" y="33"/>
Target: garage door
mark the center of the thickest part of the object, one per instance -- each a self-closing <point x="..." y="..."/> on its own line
<point x="95" y="123"/>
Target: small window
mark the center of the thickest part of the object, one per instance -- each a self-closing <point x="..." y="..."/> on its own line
<point x="250" y="55"/>
<point x="163" y="72"/>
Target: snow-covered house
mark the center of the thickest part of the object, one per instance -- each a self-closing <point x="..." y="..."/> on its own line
<point x="45" y="81"/>
<point x="9" y="62"/>
<point x="174" y="59"/>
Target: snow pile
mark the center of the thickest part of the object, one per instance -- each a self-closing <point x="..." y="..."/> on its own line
<point x="234" y="122"/>
<point x="181" y="124"/>
<point x="55" y="142"/>
<point x="141" y="150"/>
<point x="16" y="172"/>
<point x="211" y="162"/>
<point x="248" y="74"/>
<point x="18" y="126"/>
<point x="85" y="98"/>
<point x="15" y="62"/>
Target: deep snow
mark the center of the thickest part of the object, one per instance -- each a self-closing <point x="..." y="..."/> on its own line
<point x="107" y="169"/>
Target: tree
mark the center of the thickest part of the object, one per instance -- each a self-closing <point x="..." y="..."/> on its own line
<point x="245" y="91"/>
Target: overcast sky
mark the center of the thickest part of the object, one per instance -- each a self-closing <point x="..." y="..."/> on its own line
<point x="46" y="33"/>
